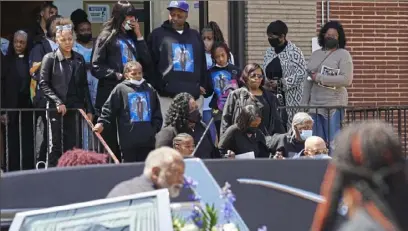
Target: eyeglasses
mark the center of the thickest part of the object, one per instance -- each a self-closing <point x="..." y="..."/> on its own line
<point x="317" y="151"/>
<point x="255" y="75"/>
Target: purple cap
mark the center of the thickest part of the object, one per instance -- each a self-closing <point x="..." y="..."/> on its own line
<point x="182" y="5"/>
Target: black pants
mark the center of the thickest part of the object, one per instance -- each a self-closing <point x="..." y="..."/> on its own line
<point x="20" y="149"/>
<point x="65" y="134"/>
<point x="41" y="155"/>
<point x="136" y="154"/>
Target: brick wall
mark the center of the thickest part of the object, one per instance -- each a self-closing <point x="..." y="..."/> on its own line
<point x="377" y="34"/>
<point x="300" y="17"/>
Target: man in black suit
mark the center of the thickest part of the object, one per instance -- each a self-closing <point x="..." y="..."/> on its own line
<point x="164" y="168"/>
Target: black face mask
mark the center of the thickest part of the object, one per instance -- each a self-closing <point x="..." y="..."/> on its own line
<point x="85" y="38"/>
<point x="251" y="130"/>
<point x="331" y="43"/>
<point x="274" y="42"/>
<point x="194" y="116"/>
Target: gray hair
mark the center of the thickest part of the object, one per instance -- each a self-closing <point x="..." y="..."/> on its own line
<point x="22" y="33"/>
<point x="299" y="118"/>
<point x="160" y="157"/>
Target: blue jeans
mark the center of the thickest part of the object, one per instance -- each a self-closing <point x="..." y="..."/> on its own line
<point x="207" y="115"/>
<point x="327" y="128"/>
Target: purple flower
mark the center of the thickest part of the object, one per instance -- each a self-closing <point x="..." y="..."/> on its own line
<point x="194" y="197"/>
<point x="197" y="217"/>
<point x="189" y="182"/>
<point x="263" y="228"/>
<point x="229" y="198"/>
<point x="227" y="211"/>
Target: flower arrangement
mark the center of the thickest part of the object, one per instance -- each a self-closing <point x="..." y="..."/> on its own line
<point x="206" y="219"/>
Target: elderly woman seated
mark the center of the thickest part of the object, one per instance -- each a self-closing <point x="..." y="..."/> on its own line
<point x="289" y="144"/>
<point x="315" y="148"/>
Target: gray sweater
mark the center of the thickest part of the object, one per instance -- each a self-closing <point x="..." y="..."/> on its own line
<point x="335" y="73"/>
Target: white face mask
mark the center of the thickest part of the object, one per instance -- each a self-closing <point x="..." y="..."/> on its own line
<point x="137" y="82"/>
<point x="208" y="45"/>
<point x="306" y="134"/>
<point x="127" y="25"/>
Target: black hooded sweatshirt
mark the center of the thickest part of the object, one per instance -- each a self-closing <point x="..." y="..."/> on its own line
<point x="107" y="60"/>
<point x="137" y="111"/>
<point x="178" y="59"/>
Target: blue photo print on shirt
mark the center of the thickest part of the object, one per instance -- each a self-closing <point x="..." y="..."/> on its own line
<point x="183" y="57"/>
<point x="223" y="84"/>
<point x="126" y="52"/>
<point x="139" y="106"/>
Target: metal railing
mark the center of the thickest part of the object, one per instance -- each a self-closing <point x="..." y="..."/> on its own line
<point x="394" y="115"/>
<point x="25" y="137"/>
<point x="22" y="145"/>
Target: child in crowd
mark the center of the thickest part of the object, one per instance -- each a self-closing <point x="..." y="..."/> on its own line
<point x="211" y="33"/>
<point x="223" y="79"/>
<point x="135" y="106"/>
<point x="184" y="143"/>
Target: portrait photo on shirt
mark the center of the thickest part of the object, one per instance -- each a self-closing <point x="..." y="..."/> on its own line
<point x="139" y="106"/>
<point x="127" y="54"/>
<point x="223" y="84"/>
<point x="183" y="57"/>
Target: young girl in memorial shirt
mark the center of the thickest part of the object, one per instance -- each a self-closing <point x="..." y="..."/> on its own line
<point x="223" y="79"/>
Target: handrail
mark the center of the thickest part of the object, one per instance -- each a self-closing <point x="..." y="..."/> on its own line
<point x="103" y="142"/>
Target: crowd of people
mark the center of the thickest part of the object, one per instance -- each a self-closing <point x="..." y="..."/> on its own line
<point x="176" y="88"/>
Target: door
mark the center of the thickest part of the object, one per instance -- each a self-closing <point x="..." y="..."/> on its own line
<point x="17" y="15"/>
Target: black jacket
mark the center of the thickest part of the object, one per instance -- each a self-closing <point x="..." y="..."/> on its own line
<point x="40" y="49"/>
<point x="239" y="142"/>
<point x="15" y="84"/>
<point x="135" y="128"/>
<point x="107" y="61"/>
<point x="285" y="143"/>
<point x="55" y="77"/>
<point x="241" y="98"/>
<point x="170" y="76"/>
<point x="206" y="150"/>
<point x="232" y="74"/>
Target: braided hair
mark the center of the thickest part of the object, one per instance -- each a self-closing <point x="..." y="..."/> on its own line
<point x="215" y="29"/>
<point x="368" y="159"/>
<point x="179" y="110"/>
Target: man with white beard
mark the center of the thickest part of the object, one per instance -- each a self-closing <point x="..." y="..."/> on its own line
<point x="164" y="168"/>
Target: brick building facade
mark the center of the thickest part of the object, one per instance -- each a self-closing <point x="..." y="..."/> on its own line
<point x="377" y="34"/>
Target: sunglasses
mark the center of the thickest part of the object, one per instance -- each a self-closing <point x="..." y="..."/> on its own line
<point x="254" y="75"/>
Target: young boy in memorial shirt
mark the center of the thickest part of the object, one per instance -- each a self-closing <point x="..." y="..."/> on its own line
<point x="135" y="106"/>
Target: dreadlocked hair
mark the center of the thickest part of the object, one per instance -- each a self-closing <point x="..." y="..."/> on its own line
<point x="179" y="110"/>
<point x="215" y="29"/>
<point x="368" y="159"/>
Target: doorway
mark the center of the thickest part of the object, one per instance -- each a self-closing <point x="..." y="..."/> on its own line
<point x="17" y="15"/>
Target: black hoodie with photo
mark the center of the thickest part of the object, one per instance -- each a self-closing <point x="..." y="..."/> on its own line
<point x="137" y="111"/>
<point x="178" y="59"/>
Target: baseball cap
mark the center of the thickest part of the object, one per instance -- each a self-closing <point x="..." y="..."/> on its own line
<point x="182" y="5"/>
